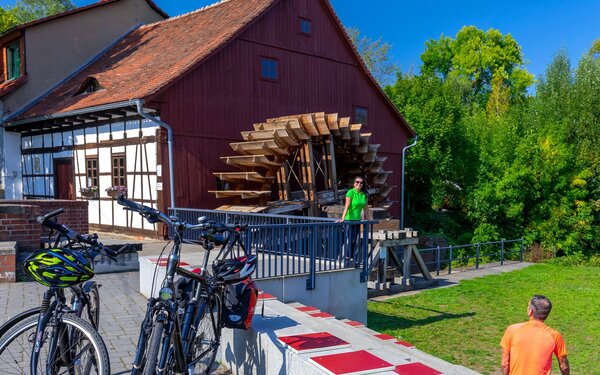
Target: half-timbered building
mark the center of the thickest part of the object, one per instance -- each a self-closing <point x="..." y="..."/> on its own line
<point x="39" y="55"/>
<point x="207" y="75"/>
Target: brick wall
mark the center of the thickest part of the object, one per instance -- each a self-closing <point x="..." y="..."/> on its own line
<point x="18" y="224"/>
<point x="8" y="258"/>
<point x="75" y="215"/>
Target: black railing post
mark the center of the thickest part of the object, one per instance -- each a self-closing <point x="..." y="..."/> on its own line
<point x="364" y="253"/>
<point x="521" y="251"/>
<point x="438" y="261"/>
<point x="450" y="262"/>
<point x="502" y="252"/>
<point x="312" y="244"/>
<point x="477" y="257"/>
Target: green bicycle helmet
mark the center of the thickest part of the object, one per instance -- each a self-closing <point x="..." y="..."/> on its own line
<point x="58" y="267"/>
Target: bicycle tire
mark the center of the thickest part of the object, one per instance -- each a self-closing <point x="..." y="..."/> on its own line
<point x="86" y="347"/>
<point x="203" y="351"/>
<point x="12" y="322"/>
<point x="92" y="310"/>
<point x="153" y="348"/>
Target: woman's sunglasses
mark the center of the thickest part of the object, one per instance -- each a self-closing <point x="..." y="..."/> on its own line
<point x="359" y="182"/>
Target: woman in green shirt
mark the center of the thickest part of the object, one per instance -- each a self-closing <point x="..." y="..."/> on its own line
<point x="354" y="210"/>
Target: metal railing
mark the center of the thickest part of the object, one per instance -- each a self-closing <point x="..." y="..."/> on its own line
<point x="308" y="248"/>
<point x="297" y="245"/>
<point x="294" y="245"/>
<point x="230" y="217"/>
<point x="446" y="257"/>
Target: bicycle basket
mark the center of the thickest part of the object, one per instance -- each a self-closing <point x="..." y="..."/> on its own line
<point x="58" y="267"/>
<point x="239" y="304"/>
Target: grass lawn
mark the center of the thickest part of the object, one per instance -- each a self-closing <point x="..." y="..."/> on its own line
<point x="464" y="324"/>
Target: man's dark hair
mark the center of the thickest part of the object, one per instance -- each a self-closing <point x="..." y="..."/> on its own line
<point x="540" y="306"/>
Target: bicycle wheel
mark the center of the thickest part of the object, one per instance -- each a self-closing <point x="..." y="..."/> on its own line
<point x="91" y="312"/>
<point x="12" y="322"/>
<point x="206" y="343"/>
<point x="153" y="348"/>
<point x="80" y="352"/>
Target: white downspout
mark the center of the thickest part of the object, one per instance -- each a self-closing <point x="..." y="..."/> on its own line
<point x="139" y="104"/>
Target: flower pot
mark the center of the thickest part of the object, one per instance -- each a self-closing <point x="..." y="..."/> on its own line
<point x="89" y="194"/>
<point x="114" y="194"/>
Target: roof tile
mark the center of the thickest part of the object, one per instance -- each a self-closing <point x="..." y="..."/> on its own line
<point x="152" y="56"/>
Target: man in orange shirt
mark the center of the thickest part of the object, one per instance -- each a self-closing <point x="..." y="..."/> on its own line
<point x="527" y="347"/>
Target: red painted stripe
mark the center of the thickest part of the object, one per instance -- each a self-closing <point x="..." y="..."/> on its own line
<point x="265" y="296"/>
<point x="312" y="341"/>
<point x="322" y="314"/>
<point x="416" y="369"/>
<point x="354" y="323"/>
<point x="405" y="343"/>
<point x="359" y="362"/>
<point x="385" y="336"/>
<point x="307" y="309"/>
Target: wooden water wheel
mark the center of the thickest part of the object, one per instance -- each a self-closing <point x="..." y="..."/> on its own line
<point x="302" y="162"/>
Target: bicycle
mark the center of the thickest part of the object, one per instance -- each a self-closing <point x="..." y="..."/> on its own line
<point x="181" y="330"/>
<point x="59" y="337"/>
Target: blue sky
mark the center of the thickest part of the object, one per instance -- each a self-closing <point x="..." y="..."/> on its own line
<point x="541" y="27"/>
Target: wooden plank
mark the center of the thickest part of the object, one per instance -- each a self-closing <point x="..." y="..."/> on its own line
<point x="363" y="146"/>
<point x="270" y="125"/>
<point x="240" y="176"/>
<point x="284" y="139"/>
<point x="382" y="177"/>
<point x="371" y="155"/>
<point x="295" y="129"/>
<point x="319" y="119"/>
<point x="258" y="148"/>
<point x="385" y="190"/>
<point x="257" y="135"/>
<point x="249" y="161"/>
<point x="344" y="127"/>
<point x="307" y="123"/>
<point x="244" y="194"/>
<point x="332" y="123"/>
<point x="249" y="208"/>
<point x="355" y="134"/>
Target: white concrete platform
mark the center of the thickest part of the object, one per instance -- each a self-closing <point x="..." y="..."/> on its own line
<point x="259" y="351"/>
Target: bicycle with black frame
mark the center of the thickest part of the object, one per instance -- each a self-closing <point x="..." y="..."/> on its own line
<point x="59" y="337"/>
<point x="181" y="330"/>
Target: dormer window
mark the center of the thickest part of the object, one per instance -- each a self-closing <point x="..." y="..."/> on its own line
<point x="90" y="85"/>
<point x="13" y="61"/>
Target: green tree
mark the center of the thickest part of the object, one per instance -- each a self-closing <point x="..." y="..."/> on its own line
<point x="489" y="61"/>
<point x="375" y="54"/>
<point x="30" y="10"/>
<point x="7" y="19"/>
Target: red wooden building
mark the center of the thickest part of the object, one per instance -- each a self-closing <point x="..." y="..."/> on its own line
<point x="209" y="74"/>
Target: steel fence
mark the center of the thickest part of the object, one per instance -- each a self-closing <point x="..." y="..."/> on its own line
<point x="300" y="245"/>
<point x="445" y="257"/>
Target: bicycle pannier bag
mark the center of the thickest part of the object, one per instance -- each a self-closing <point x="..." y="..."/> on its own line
<point x="239" y="304"/>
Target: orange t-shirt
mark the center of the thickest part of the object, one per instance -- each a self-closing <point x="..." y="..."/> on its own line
<point x="531" y="345"/>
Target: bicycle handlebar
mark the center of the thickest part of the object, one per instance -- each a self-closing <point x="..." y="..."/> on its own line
<point x="42" y="219"/>
<point x="152" y="215"/>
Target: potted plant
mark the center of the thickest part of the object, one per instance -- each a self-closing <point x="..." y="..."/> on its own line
<point x="89" y="191"/>
<point x="116" y="191"/>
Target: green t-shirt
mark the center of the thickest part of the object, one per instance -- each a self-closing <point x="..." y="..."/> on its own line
<point x="357" y="202"/>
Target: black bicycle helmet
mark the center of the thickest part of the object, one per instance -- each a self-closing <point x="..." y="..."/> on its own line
<point x="58" y="267"/>
<point x="231" y="271"/>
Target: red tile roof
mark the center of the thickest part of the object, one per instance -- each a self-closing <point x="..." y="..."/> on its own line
<point x="6" y="87"/>
<point x="153" y="56"/>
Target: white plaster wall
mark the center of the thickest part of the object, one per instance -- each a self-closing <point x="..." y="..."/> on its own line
<point x="13" y="183"/>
